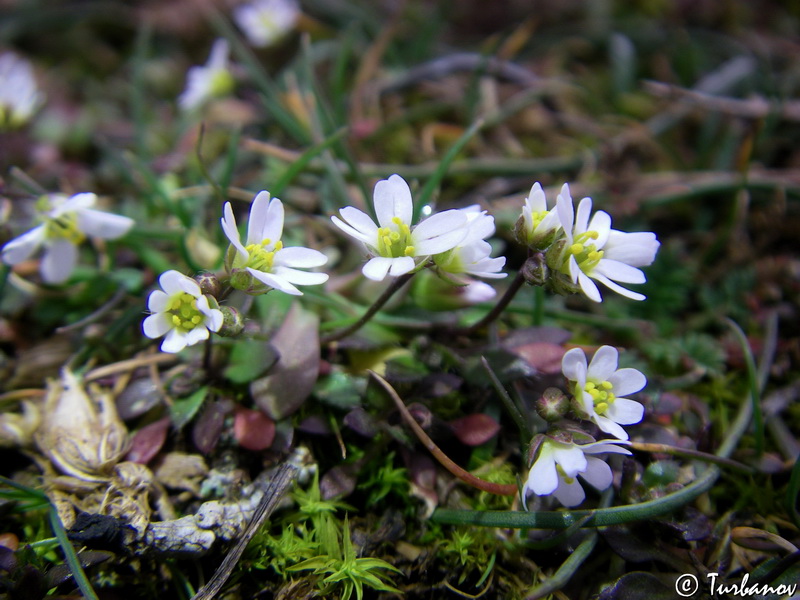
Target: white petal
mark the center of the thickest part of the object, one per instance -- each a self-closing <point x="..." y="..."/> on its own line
<point x="606" y="446"/>
<point x="637" y="249"/>
<point x="360" y="221"/>
<point x="625" y="412"/>
<point x="279" y="283"/>
<point x="170" y="282"/>
<point x="392" y="198"/>
<point x="24" y="246"/>
<point x="231" y="231"/>
<point x="401" y="266"/>
<point x="582" y="215"/>
<point x="158" y="301"/>
<point x="566" y="213"/>
<point x="190" y="286"/>
<point x="59" y="260"/>
<point x="569" y="494"/>
<point x="300" y="277"/>
<point x="155" y="326"/>
<point x="479" y="226"/>
<point x="604" y="363"/>
<point x="573" y="365"/>
<point x="536" y="200"/>
<point x="215" y="320"/>
<point x="627" y="381"/>
<point x="266" y="223"/>
<point x="377" y="268"/>
<point x="597" y="474"/>
<point x="174" y="342"/>
<point x="601" y="223"/>
<point x="618" y="288"/>
<point x="618" y="271"/>
<point x="196" y="335"/>
<point x="571" y="459"/>
<point x="108" y="226"/>
<point x="588" y="287"/>
<point x="439" y="233"/>
<point x="299" y="257"/>
<point x="366" y="238"/>
<point x="72" y="204"/>
<point x="543" y="477"/>
<point x="218" y="59"/>
<point x="610" y="427"/>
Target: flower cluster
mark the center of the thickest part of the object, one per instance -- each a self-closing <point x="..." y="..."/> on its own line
<point x="581" y="248"/>
<point x="66" y="223"/>
<point x="454" y="240"/>
<point x="597" y="389"/>
<point x="19" y="95"/>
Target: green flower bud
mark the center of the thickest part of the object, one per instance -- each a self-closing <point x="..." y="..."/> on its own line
<point x="534" y="270"/>
<point x="209" y="284"/>
<point x="553" y="405"/>
<point x="232" y="322"/>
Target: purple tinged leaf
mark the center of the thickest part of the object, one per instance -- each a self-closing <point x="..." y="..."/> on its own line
<point x="252" y="429"/>
<point x="208" y="427"/>
<point x="362" y="422"/>
<point x="339" y="482"/>
<point x="315" y="425"/>
<point x="283" y="391"/>
<point x="474" y="430"/>
<point x="139" y="396"/>
<point x="542" y="356"/>
<point x="148" y="441"/>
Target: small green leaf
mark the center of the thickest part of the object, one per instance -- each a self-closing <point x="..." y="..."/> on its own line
<point x="184" y="410"/>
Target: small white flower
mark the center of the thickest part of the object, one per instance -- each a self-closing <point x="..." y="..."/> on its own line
<point x="209" y="81"/>
<point x="263" y="255"/>
<point x="599" y="389"/>
<point x="181" y="312"/>
<point x="398" y="248"/>
<point x="595" y="251"/>
<point x="558" y="464"/>
<point x="66" y="223"/>
<point x="538" y="227"/>
<point x="19" y="95"/>
<point x="471" y="255"/>
<point x="265" y="22"/>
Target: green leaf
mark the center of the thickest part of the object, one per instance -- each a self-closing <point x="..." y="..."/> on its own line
<point x="184" y="410"/>
<point x="249" y="360"/>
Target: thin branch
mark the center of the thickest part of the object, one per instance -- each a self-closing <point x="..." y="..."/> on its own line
<point x="396" y="284"/>
<point x="444" y="460"/>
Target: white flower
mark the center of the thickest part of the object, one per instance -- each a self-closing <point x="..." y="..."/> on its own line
<point x="181" y="312"/>
<point x="263" y="255"/>
<point x="265" y="22"/>
<point x="19" y="96"/>
<point x="471" y="255"/>
<point x="558" y="464"/>
<point x="538" y="227"/>
<point x="595" y="251"/>
<point x="599" y="389"/>
<point x="66" y="223"/>
<point x="209" y="81"/>
<point x="393" y="243"/>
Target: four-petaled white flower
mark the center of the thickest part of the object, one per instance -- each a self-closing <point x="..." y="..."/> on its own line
<point x="19" y="95"/>
<point x="212" y="80"/>
<point x="265" y="22"/>
<point x="66" y="223"/>
<point x="558" y="464"/>
<point x="181" y="312"/>
<point x="595" y="251"/>
<point x="599" y="389"/>
<point x="538" y="227"/>
<point x="263" y="256"/>
<point x="471" y="255"/>
<point x="396" y="246"/>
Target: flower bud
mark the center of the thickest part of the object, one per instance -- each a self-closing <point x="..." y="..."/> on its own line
<point x="209" y="284"/>
<point x="553" y="405"/>
<point x="534" y="270"/>
<point x="562" y="284"/>
<point x="241" y="280"/>
<point x="232" y="322"/>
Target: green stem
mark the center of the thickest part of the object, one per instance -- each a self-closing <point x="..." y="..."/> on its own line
<point x="565" y="572"/>
<point x="498" y="309"/>
<point x="512" y="408"/>
<point x="71" y="557"/>
<point x="397" y="283"/>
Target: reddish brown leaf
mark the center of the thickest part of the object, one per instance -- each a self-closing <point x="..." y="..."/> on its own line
<point x="147" y="442"/>
<point x="253" y="429"/>
<point x="474" y="430"/>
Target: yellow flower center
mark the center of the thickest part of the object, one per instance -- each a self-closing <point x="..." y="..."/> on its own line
<point x="567" y="479"/>
<point x="395" y="241"/>
<point x="261" y="259"/>
<point x="602" y="395"/>
<point x="184" y="313"/>
<point x="64" y="227"/>
<point x="585" y="252"/>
